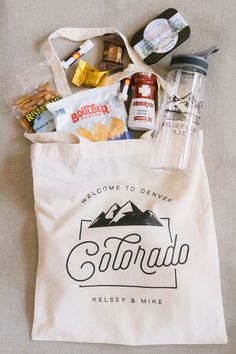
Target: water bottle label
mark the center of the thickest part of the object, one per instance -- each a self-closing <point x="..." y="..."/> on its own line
<point x="183" y="113"/>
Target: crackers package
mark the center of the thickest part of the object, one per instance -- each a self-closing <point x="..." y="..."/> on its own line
<point x="95" y="114"/>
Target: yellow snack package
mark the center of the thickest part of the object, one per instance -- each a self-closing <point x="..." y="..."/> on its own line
<point x="88" y="76"/>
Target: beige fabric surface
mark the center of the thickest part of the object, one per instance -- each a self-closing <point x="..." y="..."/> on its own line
<point x="24" y="24"/>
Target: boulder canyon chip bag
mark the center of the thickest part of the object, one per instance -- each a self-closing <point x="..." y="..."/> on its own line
<point x="127" y="252"/>
<point x="95" y="114"/>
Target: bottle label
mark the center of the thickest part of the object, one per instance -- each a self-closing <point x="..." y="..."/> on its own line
<point x="142" y="113"/>
<point x="178" y="110"/>
<point x="160" y="35"/>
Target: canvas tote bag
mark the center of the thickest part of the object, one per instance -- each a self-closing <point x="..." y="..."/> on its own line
<point x="127" y="252"/>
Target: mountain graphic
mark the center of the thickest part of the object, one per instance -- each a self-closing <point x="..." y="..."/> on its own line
<point x="127" y="214"/>
<point x="181" y="104"/>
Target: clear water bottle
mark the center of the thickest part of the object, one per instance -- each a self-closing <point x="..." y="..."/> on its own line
<point x="181" y="109"/>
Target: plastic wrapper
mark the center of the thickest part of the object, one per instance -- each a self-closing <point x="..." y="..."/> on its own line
<point x="94" y="115"/>
<point x="112" y="53"/>
<point x="28" y="95"/>
<point x="88" y="76"/>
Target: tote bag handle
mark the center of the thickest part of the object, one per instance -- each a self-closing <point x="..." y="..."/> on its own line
<point x="82" y="34"/>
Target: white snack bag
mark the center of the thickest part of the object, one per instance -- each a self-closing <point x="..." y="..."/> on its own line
<point x="95" y="114"/>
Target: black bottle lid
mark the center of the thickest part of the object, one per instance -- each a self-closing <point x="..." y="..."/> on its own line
<point x="194" y="60"/>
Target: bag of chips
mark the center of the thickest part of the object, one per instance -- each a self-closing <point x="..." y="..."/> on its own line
<point x="95" y="114"/>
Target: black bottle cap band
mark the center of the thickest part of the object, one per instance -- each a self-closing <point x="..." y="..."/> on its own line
<point x="189" y="60"/>
<point x="194" y="60"/>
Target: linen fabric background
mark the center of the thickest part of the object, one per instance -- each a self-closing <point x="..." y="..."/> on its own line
<point x="24" y="25"/>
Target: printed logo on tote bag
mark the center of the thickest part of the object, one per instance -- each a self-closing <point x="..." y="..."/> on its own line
<point x="127" y="247"/>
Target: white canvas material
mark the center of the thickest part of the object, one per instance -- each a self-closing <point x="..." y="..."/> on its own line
<point x="148" y="271"/>
<point x="82" y="34"/>
<point x="127" y="252"/>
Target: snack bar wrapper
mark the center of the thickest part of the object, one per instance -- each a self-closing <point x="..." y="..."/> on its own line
<point x="95" y="114"/>
<point x="88" y="76"/>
